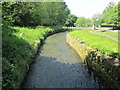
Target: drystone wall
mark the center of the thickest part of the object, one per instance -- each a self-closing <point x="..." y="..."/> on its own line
<point x="106" y="67"/>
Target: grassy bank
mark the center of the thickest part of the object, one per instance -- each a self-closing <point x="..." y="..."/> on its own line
<point x="99" y="53"/>
<point x="19" y="44"/>
<point x="102" y="43"/>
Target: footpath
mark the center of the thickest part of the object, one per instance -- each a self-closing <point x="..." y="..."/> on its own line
<point x="109" y="36"/>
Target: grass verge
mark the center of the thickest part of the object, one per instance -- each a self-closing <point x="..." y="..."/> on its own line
<point x="102" y="43"/>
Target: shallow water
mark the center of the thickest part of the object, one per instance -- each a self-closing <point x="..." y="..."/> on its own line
<point x="58" y="66"/>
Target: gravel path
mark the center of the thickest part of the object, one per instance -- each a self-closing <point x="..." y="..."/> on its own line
<point x="58" y="66"/>
<point x="109" y="36"/>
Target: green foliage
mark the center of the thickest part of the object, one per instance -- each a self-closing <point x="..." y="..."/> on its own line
<point x="99" y="42"/>
<point x="18" y="51"/>
<point x="34" y="13"/>
<point x="80" y="22"/>
<point x="83" y="22"/>
<point x="109" y="7"/>
<point x="88" y="22"/>
<point x="113" y="17"/>
<point x="110" y="15"/>
<point x="7" y="13"/>
<point x="71" y="20"/>
<point x="19" y="43"/>
<point x="96" y="19"/>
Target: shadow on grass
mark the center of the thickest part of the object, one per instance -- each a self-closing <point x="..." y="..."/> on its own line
<point x="16" y="55"/>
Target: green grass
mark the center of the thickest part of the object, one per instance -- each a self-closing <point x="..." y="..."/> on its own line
<point x="99" y="42"/>
<point x="30" y="34"/>
<point x="18" y="51"/>
<point x="113" y="34"/>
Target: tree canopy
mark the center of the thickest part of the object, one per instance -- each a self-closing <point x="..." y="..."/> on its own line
<point x="110" y="15"/>
<point x="83" y="22"/>
<point x="71" y="20"/>
<point x="54" y="13"/>
<point x="34" y="13"/>
<point x="96" y="19"/>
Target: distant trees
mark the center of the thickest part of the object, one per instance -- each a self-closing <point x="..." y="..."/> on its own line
<point x="71" y="20"/>
<point x="88" y="22"/>
<point x="96" y="19"/>
<point x="83" y="22"/>
<point x="80" y="22"/>
<point x="110" y="15"/>
<point x="34" y="13"/>
<point x="113" y="17"/>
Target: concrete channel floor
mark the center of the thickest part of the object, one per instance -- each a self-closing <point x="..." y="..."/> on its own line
<point x="58" y="66"/>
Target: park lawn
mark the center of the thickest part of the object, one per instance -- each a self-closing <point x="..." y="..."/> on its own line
<point x="113" y="34"/>
<point x="99" y="42"/>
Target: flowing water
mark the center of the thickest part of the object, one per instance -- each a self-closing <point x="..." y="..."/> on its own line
<point x="58" y="66"/>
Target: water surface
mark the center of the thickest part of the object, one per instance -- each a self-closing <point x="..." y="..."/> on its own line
<point x="58" y="66"/>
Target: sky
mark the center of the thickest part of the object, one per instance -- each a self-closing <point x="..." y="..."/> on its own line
<point x="87" y="8"/>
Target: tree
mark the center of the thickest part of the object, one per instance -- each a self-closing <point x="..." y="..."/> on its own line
<point x="57" y="12"/>
<point x="7" y="13"/>
<point x="88" y="22"/>
<point x="106" y="15"/>
<point x="96" y="19"/>
<point x="109" y="7"/>
<point x="113" y="17"/>
<point x="35" y="13"/>
<point x="83" y="22"/>
<point x="80" y="22"/>
<point x="71" y="20"/>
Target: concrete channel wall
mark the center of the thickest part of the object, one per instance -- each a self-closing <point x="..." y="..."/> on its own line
<point x="107" y="68"/>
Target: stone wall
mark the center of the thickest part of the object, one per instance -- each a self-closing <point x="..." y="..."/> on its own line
<point x="106" y="67"/>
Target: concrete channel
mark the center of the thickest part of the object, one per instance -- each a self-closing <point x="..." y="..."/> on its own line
<point x="58" y="66"/>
